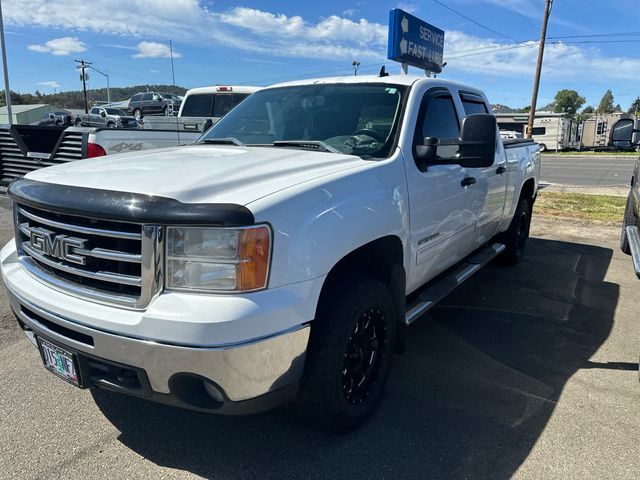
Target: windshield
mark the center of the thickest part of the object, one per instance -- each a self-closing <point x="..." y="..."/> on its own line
<point x="356" y="119"/>
<point x="115" y="111"/>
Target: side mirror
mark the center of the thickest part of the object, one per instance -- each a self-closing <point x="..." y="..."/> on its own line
<point x="478" y="141"/>
<point x="103" y="114"/>
<point x="622" y="133"/>
<point x="427" y="154"/>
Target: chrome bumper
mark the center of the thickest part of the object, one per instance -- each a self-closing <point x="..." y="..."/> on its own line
<point x="241" y="372"/>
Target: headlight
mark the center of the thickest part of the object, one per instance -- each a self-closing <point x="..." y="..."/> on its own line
<point x="218" y="259"/>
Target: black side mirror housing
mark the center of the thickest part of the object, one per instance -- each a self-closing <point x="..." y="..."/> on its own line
<point x="427" y="154"/>
<point x="622" y="133"/>
<point x="478" y="141"/>
<point x="103" y="114"/>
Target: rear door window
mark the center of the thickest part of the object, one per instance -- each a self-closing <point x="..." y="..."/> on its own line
<point x="95" y="111"/>
<point x="147" y="96"/>
<point x="198" y="105"/>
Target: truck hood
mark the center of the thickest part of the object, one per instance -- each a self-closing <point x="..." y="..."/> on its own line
<point x="200" y="173"/>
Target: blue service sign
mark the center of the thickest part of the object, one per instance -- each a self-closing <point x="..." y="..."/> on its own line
<point x="414" y="42"/>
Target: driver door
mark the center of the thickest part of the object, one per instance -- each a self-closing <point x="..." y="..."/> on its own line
<point x="442" y="227"/>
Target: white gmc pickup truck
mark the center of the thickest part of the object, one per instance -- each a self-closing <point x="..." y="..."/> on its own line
<point x="281" y="257"/>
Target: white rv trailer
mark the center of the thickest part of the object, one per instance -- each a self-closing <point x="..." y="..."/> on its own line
<point x="553" y="131"/>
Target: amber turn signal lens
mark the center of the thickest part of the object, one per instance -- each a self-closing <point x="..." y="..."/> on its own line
<point x="254" y="252"/>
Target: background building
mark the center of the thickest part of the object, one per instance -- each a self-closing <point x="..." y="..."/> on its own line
<point x="26" y="114"/>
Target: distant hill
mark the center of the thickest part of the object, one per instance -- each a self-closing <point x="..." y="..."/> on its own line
<point x="74" y="98"/>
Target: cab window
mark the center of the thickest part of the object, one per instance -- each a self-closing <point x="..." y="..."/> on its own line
<point x="438" y="118"/>
<point x="95" y="111"/>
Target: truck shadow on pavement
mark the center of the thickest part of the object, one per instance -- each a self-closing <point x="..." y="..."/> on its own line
<point x="469" y="398"/>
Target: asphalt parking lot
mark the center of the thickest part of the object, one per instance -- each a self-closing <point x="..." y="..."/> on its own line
<point x="526" y="372"/>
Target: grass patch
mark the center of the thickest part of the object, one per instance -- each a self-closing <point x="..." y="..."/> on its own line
<point x="581" y="206"/>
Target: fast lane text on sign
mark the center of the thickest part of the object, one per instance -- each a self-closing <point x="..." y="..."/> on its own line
<point x="414" y="42"/>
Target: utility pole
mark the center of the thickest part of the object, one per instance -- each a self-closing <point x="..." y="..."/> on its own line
<point x="536" y="84"/>
<point x="7" y="90"/>
<point x="107" y="77"/>
<point x="83" y="75"/>
<point x="173" y="73"/>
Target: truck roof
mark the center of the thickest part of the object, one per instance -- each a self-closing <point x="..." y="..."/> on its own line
<point x="394" y="79"/>
<point x="222" y="89"/>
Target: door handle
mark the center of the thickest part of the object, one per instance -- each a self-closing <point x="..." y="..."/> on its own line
<point x="466" y="181"/>
<point x="501" y="169"/>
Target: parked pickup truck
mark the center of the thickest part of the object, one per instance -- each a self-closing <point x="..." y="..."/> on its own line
<point x="624" y="136"/>
<point x="282" y="256"/>
<point x="25" y="148"/>
<point x="106" y="117"/>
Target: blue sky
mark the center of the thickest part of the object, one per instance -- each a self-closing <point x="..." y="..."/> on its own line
<point x="258" y="43"/>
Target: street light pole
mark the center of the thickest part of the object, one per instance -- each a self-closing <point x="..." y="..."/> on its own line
<point x="7" y="90"/>
<point x="536" y="83"/>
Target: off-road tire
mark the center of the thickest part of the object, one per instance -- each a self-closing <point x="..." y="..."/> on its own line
<point x="515" y="238"/>
<point x="340" y="339"/>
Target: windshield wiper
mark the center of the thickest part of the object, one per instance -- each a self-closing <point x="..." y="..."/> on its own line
<point x="223" y="141"/>
<point x="310" y="144"/>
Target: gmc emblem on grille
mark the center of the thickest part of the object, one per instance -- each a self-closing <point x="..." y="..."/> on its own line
<point x="58" y="246"/>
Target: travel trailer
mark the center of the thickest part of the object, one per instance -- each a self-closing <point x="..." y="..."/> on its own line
<point x="553" y="131"/>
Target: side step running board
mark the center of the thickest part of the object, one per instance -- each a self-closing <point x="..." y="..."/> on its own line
<point x="439" y="288"/>
<point x="633" y="237"/>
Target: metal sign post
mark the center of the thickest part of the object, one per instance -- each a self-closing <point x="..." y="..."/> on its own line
<point x="7" y="90"/>
<point x="414" y="42"/>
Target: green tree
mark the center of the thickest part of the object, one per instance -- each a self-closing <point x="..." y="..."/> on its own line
<point x="568" y="101"/>
<point x="635" y="106"/>
<point x="606" y="104"/>
<point x="586" y="113"/>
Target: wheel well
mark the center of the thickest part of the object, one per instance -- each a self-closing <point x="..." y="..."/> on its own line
<point x="528" y="191"/>
<point x="382" y="259"/>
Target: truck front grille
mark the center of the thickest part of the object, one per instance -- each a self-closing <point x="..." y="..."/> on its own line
<point x="107" y="261"/>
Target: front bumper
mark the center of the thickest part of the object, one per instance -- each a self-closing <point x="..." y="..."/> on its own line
<point x="236" y="379"/>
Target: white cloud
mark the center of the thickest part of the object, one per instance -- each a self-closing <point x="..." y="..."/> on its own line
<point x="60" y="46"/>
<point x="49" y="83"/>
<point x="154" y="50"/>
<point x="350" y="12"/>
<point x="408" y="7"/>
<point x="272" y="34"/>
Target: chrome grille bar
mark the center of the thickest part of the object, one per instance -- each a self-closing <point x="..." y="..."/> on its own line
<point x="79" y="228"/>
<point x="103" y="276"/>
<point x="96" y="252"/>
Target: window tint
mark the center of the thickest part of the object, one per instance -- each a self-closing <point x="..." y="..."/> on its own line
<point x="95" y="111"/>
<point x="198" y="105"/>
<point x="147" y="96"/>
<point x="539" y="131"/>
<point x="440" y="120"/>
<point x="473" y="107"/>
<point x="238" y="97"/>
<point x="136" y="98"/>
<point x="222" y="104"/>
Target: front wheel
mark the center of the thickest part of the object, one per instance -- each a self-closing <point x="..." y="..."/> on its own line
<point x="515" y="238"/>
<point x="543" y="147"/>
<point x="351" y="347"/>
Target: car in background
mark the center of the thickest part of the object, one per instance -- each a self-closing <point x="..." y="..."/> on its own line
<point x="56" y="118"/>
<point x="107" y="117"/>
<point x="153" y="103"/>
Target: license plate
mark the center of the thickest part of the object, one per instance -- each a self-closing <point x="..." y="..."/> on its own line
<point x="60" y="362"/>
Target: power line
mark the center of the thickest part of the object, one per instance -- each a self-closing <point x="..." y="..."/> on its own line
<point x="509" y="6"/>
<point x="620" y="34"/>
<point x="473" y="21"/>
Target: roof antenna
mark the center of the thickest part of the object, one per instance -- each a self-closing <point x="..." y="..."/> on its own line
<point x="383" y="72"/>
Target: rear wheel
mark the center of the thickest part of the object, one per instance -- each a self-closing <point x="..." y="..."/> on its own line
<point x="111" y="125"/>
<point x="515" y="238"/>
<point x="351" y="347"/>
<point x="138" y="114"/>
